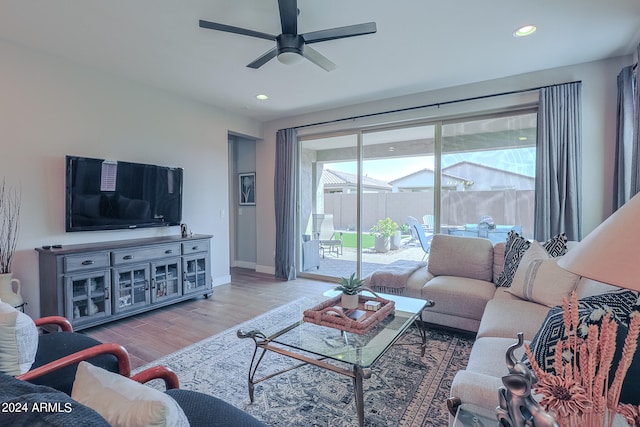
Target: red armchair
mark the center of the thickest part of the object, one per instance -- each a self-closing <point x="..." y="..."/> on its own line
<point x="199" y="408"/>
<point x="58" y="341"/>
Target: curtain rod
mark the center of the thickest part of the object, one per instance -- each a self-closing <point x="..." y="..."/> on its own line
<point x="435" y="104"/>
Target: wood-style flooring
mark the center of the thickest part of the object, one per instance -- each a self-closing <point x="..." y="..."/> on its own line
<point x="157" y="333"/>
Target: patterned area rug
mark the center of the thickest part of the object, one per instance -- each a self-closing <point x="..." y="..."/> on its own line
<point x="404" y="389"/>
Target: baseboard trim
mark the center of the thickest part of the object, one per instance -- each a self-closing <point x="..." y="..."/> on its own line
<point x="222" y="280"/>
<point x="265" y="269"/>
<point x="245" y="264"/>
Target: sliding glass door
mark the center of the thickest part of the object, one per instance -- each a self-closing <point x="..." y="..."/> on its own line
<point x="375" y="196"/>
<point x="328" y="203"/>
<point x="488" y="176"/>
<point x="397" y="193"/>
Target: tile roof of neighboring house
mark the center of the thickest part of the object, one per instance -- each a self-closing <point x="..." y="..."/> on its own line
<point x="331" y="178"/>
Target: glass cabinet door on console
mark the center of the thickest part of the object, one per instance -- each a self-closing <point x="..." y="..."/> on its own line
<point x="131" y="288"/>
<point x="87" y="296"/>
<point x="165" y="280"/>
<point x="195" y="272"/>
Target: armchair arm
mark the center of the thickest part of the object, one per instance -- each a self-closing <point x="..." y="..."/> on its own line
<point x="158" y="372"/>
<point x="59" y="321"/>
<point x="124" y="365"/>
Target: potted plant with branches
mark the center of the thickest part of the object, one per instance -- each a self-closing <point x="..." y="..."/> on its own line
<point x="350" y="288"/>
<point x="9" y="220"/>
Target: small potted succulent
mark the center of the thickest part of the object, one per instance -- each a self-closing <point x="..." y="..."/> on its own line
<point x="350" y="288"/>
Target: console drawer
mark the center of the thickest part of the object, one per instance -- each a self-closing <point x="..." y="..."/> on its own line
<point x="129" y="256"/>
<point x="88" y="261"/>
<point x="195" y="246"/>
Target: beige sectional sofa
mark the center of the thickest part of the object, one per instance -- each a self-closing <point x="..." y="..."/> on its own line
<point x="461" y="278"/>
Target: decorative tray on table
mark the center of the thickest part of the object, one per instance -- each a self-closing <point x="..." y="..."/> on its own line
<point x="330" y="313"/>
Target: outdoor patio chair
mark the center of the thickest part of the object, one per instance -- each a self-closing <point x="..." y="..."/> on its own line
<point x="412" y="221"/>
<point x="330" y="239"/>
<point x="429" y="222"/>
<point x="424" y="238"/>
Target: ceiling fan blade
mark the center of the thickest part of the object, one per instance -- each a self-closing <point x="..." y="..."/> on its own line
<point x="264" y="59"/>
<point x="318" y="59"/>
<point x="235" y="30"/>
<point x="289" y="16"/>
<point x="340" y="32"/>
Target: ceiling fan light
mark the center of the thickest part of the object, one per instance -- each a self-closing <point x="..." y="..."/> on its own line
<point x="289" y="58"/>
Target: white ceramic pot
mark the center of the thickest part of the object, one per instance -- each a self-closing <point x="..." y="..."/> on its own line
<point x="8" y="293"/>
<point x="382" y="244"/>
<point x="396" y="241"/>
<point x="349" y="301"/>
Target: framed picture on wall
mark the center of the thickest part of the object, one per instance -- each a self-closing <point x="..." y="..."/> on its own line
<point x="247" y="188"/>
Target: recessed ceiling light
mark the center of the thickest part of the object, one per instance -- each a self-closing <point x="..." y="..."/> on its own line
<point x="262" y="97"/>
<point x="525" y="30"/>
<point x="522" y="138"/>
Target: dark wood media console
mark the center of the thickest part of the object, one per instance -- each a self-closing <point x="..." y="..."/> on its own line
<point x="95" y="283"/>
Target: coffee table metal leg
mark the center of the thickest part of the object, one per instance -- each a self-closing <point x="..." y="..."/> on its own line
<point x="423" y="334"/>
<point x="422" y="329"/>
<point x="258" y="338"/>
<point x="359" y="375"/>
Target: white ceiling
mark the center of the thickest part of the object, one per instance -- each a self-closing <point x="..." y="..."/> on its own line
<point x="420" y="45"/>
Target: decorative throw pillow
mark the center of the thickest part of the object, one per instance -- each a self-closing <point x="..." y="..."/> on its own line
<point x="540" y="279"/>
<point x="557" y="245"/>
<point x="514" y="250"/>
<point x="18" y="340"/>
<point x="123" y="401"/>
<point x="619" y="304"/>
<point x="630" y="392"/>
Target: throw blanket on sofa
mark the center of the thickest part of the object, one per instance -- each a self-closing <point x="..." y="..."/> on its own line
<point x="392" y="278"/>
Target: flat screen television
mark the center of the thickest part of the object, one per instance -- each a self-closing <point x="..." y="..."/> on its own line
<point x="104" y="194"/>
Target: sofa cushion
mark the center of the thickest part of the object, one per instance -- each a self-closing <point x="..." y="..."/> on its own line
<point x="498" y="259"/>
<point x="122" y="401"/>
<point x="538" y="278"/>
<point x="505" y="318"/>
<point x="469" y="257"/>
<point x="588" y="287"/>
<point x="458" y="296"/>
<point x="488" y="356"/>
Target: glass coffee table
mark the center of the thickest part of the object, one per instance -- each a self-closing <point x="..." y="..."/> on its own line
<point x="344" y="353"/>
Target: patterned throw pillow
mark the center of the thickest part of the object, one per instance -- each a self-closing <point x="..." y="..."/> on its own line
<point x="619" y="304"/>
<point x="557" y="245"/>
<point x="516" y="247"/>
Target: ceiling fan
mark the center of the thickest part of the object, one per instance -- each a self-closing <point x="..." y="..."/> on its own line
<point x="291" y="47"/>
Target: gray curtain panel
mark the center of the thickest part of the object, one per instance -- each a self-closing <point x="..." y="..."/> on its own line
<point x="558" y="198"/>
<point x="285" y="203"/>
<point x="626" y="161"/>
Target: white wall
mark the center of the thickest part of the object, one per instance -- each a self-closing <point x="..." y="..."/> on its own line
<point x="50" y="108"/>
<point x="599" y="96"/>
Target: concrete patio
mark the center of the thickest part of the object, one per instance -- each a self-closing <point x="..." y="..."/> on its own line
<point x="345" y="264"/>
